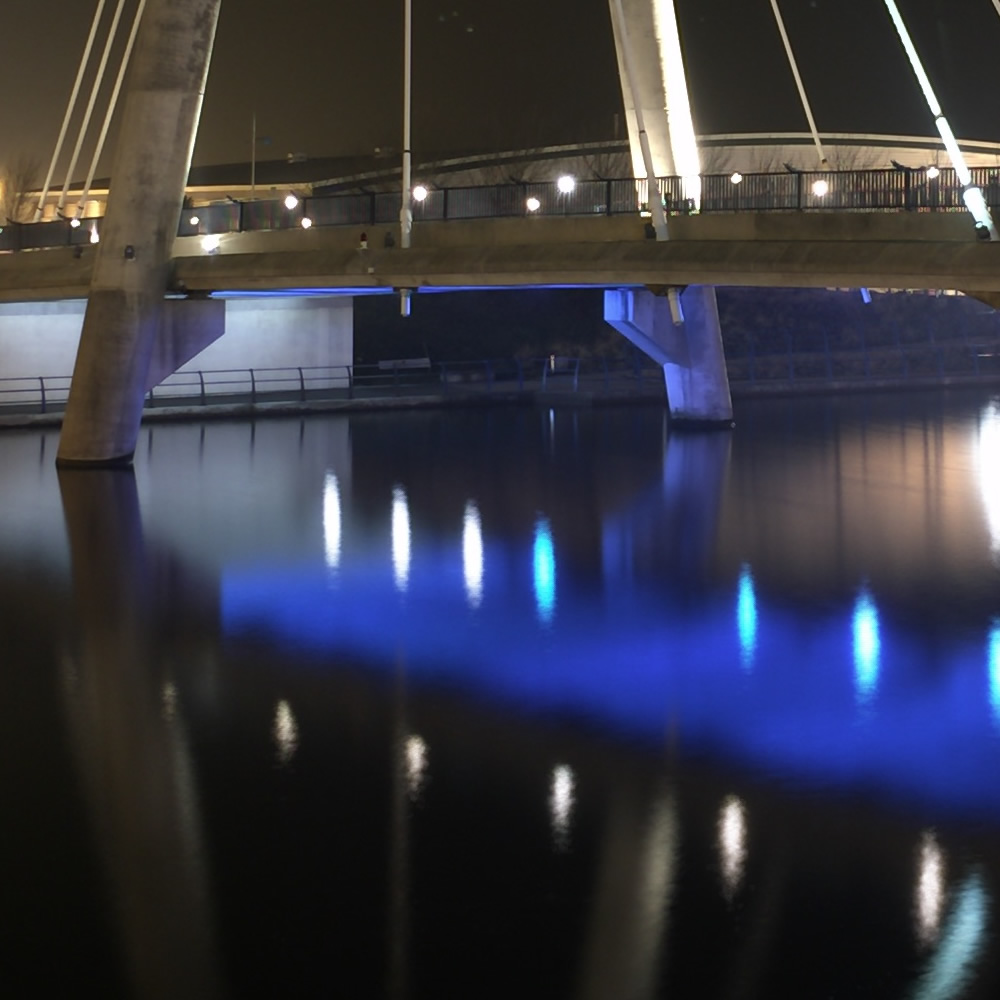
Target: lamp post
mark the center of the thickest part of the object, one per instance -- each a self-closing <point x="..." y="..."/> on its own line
<point x="405" y="212"/>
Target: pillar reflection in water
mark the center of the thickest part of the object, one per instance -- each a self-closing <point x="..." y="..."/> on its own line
<point x="962" y="940"/>
<point x="129" y="742"/>
<point x="628" y="921"/>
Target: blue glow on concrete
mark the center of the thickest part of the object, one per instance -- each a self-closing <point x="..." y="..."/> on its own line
<point x="544" y="562"/>
<point x="867" y="646"/>
<point x="746" y="617"/>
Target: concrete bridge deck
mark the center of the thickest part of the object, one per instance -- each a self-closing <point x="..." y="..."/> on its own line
<point x="796" y="249"/>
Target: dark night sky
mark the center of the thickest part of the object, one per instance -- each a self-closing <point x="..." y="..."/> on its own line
<point x="326" y="77"/>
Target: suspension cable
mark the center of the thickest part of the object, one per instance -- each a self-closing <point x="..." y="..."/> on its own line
<point x="90" y="104"/>
<point x="112" y="104"/>
<point x="798" y="82"/>
<point x="69" y="107"/>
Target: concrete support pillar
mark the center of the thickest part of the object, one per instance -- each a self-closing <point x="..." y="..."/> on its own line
<point x="690" y="351"/>
<point x="149" y="173"/>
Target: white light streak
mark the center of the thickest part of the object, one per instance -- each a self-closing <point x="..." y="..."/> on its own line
<point x="306" y="222"/>
<point x="566" y="184"/>
<point x="291" y="202"/>
<point x="929" y="891"/>
<point x="821" y="188"/>
<point x="210" y="243"/>
<point x="400" y="538"/>
<point x="561" y="800"/>
<point x="532" y="204"/>
<point x="331" y="520"/>
<point x="472" y="555"/>
<point x="95" y="236"/>
<point x="732" y="844"/>
<point x="285" y="732"/>
<point x="736" y="177"/>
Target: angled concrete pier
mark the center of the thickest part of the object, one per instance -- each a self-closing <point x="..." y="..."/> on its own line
<point x="149" y="171"/>
<point x="686" y="341"/>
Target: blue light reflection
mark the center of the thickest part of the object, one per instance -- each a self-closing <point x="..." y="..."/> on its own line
<point x="994" y="668"/>
<point x="545" y="571"/>
<point x="746" y="617"/>
<point x="867" y="646"/>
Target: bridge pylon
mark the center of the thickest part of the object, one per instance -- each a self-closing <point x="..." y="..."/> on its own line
<point x="148" y="175"/>
<point x="649" y="41"/>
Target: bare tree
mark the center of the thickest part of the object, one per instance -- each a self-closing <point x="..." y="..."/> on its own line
<point x="18" y="188"/>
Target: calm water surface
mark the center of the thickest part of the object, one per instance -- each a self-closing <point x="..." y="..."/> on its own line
<point x="508" y="703"/>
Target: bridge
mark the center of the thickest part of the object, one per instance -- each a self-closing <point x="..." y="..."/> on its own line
<point x="660" y="256"/>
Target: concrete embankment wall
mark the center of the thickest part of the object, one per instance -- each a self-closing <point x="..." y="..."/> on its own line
<point x="41" y="338"/>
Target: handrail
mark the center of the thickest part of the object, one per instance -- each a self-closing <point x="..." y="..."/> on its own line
<point x="875" y="190"/>
<point x="553" y="375"/>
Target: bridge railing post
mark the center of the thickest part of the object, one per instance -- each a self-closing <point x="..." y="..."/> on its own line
<point x="253" y="386"/>
<point x="41" y="386"/>
<point x="201" y="384"/>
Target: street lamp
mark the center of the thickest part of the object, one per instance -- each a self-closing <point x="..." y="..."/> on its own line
<point x="566" y="184"/>
<point x="291" y="202"/>
<point x="532" y="204"/>
<point x="420" y="193"/>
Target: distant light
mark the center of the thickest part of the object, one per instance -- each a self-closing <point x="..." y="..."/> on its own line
<point x="194" y="220"/>
<point x="932" y="173"/>
<point x="74" y="222"/>
<point x="291" y="202"/>
<point x="210" y="243"/>
<point x="94" y="236"/>
<point x="566" y="184"/>
<point x="532" y="204"/>
<point x="306" y="222"/>
<point x="737" y="177"/>
<point x="419" y="193"/>
<point x="820" y="188"/>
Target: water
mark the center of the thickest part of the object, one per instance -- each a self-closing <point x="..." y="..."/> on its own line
<point x="508" y="702"/>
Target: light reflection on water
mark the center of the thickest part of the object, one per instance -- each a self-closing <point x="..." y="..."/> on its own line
<point x="599" y="700"/>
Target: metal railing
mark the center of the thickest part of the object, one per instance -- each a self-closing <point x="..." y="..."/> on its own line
<point x="889" y="190"/>
<point x="606" y="378"/>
